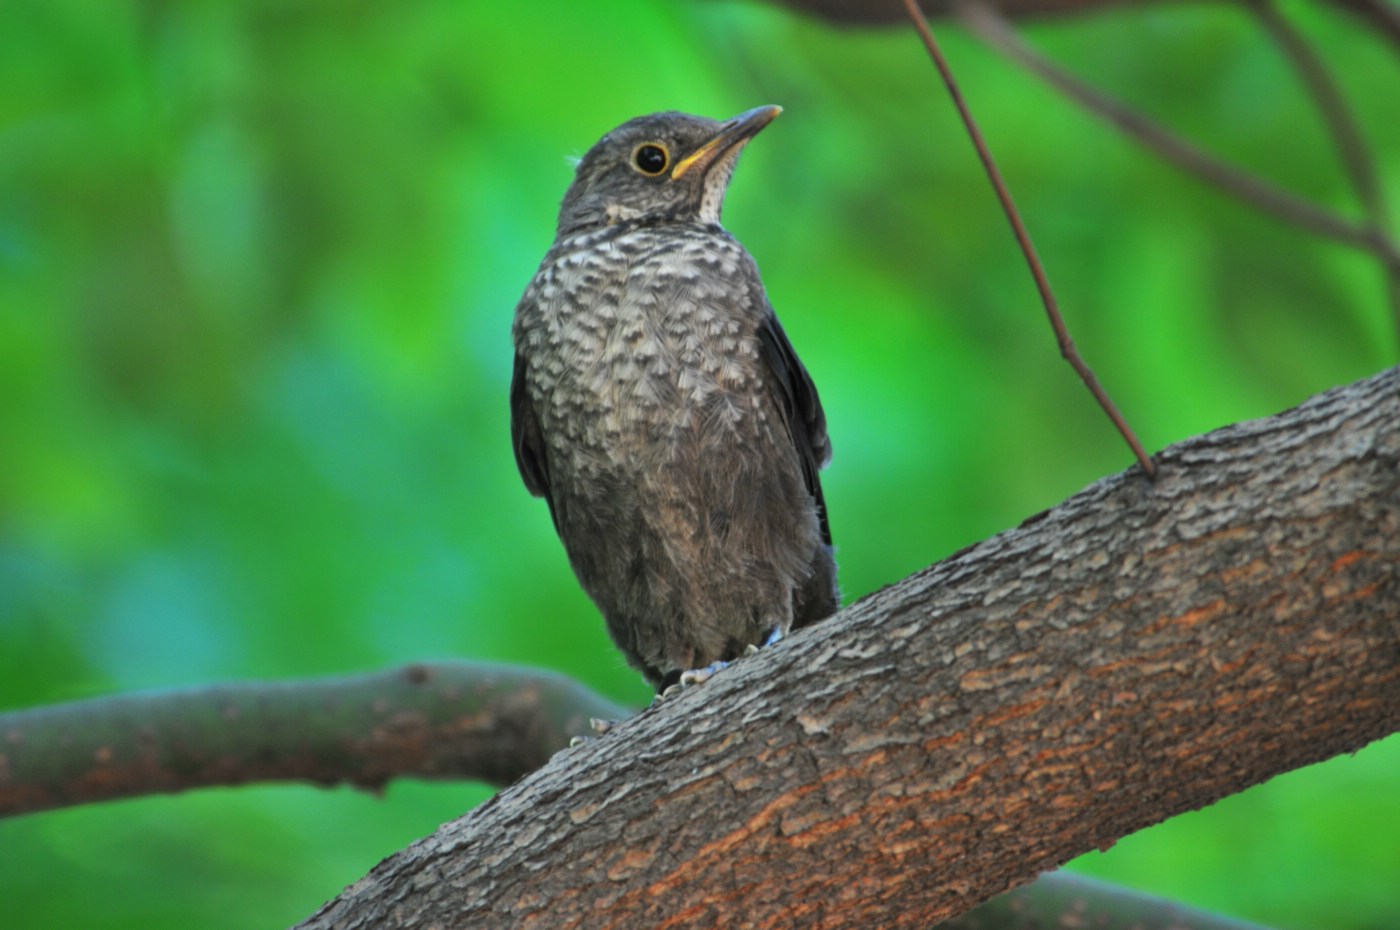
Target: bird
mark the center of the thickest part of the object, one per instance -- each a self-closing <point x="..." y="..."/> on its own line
<point x="659" y="408"/>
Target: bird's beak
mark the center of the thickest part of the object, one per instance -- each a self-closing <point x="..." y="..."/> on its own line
<point x="732" y="133"/>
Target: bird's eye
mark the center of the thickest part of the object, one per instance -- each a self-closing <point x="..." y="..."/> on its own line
<point x="651" y="158"/>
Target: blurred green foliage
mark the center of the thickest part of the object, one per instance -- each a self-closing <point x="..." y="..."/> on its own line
<point x="257" y="269"/>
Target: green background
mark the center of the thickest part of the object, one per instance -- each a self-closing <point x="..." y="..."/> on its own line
<point x="257" y="269"/>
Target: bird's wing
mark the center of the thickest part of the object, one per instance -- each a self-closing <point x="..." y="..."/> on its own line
<point x="802" y="408"/>
<point x="526" y="437"/>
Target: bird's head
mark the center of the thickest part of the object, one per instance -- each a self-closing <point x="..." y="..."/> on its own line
<point x="659" y="168"/>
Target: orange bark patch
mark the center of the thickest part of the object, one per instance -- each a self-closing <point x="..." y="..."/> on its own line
<point x="1193" y="617"/>
<point x="1350" y="558"/>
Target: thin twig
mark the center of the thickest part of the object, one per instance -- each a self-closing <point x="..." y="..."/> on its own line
<point x="1042" y="282"/>
<point x="1346" y="135"/>
<point x="994" y="29"/>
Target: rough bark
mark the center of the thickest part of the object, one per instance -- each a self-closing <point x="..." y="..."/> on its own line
<point x="432" y="720"/>
<point x="1141" y="650"/>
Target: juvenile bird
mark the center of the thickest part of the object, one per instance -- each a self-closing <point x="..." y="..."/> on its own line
<point x="659" y="408"/>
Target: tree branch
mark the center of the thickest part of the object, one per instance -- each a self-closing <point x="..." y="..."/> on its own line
<point x="1065" y="901"/>
<point x="432" y="720"/>
<point x="1382" y="15"/>
<point x="865" y="13"/>
<point x="1351" y="146"/>
<point x="1139" y="651"/>
<point x="984" y="20"/>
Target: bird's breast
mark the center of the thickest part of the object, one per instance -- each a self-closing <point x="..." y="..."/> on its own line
<point x="650" y="340"/>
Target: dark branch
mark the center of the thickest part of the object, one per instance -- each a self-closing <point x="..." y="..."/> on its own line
<point x="1065" y="901"/>
<point x="1382" y="15"/>
<point x="1346" y="135"/>
<point x="994" y="29"/>
<point x="865" y="13"/>
<point x="432" y="720"/>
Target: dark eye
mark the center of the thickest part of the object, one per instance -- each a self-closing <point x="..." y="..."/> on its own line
<point x="651" y="158"/>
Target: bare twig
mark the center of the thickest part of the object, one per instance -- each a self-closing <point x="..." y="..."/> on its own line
<point x="1355" y="154"/>
<point x="1042" y="282"/>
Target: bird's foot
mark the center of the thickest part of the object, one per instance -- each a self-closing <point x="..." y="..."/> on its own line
<point x="674" y="683"/>
<point x="698" y="676"/>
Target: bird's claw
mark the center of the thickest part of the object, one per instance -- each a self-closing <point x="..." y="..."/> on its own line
<point x="698" y="676"/>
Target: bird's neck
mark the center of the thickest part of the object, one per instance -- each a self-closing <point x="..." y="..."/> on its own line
<point x="617" y="219"/>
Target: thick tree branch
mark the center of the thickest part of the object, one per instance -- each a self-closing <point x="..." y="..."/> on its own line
<point x="1141" y="650"/>
<point x="432" y="720"/>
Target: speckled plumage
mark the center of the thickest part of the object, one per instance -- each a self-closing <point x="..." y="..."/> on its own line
<point x="660" y="409"/>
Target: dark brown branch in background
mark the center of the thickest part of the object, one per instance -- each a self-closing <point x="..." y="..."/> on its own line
<point x="1141" y="650"/>
<point x="1065" y="901"/>
<point x="1023" y="238"/>
<point x="865" y="13"/>
<point x="1352" y="148"/>
<point x="431" y="720"/>
<point x="1383" y="15"/>
<point x="992" y="28"/>
<point x="1346" y="134"/>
